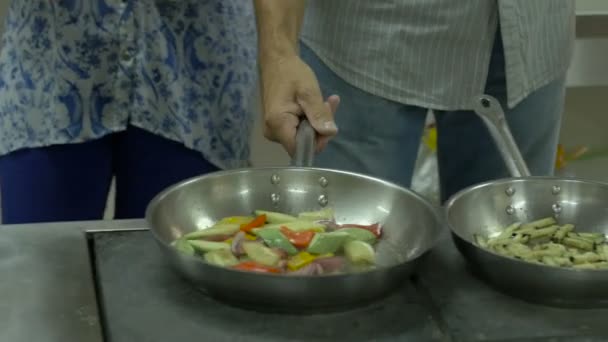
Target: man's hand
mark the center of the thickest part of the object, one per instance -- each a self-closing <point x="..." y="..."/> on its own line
<point x="290" y="91"/>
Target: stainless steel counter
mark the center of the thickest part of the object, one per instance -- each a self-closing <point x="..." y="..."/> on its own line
<point x="46" y="290"/>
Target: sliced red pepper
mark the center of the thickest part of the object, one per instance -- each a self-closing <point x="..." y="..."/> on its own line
<point x="257" y="222"/>
<point x="375" y="228"/>
<point x="299" y="239"/>
<point x="253" y="266"/>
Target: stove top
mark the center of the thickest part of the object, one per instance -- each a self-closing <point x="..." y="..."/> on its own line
<point x="142" y="299"/>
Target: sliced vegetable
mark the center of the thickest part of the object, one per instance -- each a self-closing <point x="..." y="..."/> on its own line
<point x="509" y="230"/>
<point x="299" y="239"/>
<point x="544" y="222"/>
<point x="323" y="243"/>
<point x="255" y="223"/>
<point x="274" y="238"/>
<point x="227" y="229"/>
<point x="261" y="254"/>
<point x="300" y="260"/>
<point x="480" y="240"/>
<point x="323" y="214"/>
<point x="579" y="243"/>
<point x="253" y="266"/>
<point x="359" y="252"/>
<point x="250" y="237"/>
<point x="544" y="242"/>
<point x="236" y="220"/>
<point x="374" y="228"/>
<point x="331" y="264"/>
<point x="221" y="257"/>
<point x="295" y="226"/>
<point x="203" y="246"/>
<point x="274" y="217"/>
<point x="237" y="244"/>
<point x="561" y="233"/>
<point x="308" y="270"/>
<point x="586" y="258"/>
<point x="542" y="232"/>
<point x="183" y="246"/>
<point x="360" y="234"/>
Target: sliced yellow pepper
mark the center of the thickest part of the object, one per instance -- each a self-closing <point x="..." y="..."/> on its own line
<point x="300" y="260"/>
<point x="250" y="237"/>
<point x="236" y="219"/>
<point x="228" y="241"/>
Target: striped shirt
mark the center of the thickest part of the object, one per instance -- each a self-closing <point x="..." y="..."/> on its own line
<point x="435" y="53"/>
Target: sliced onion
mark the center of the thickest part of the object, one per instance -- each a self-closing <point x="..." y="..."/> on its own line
<point x="331" y="264"/>
<point x="282" y="253"/>
<point x="330" y="224"/>
<point x="237" y="244"/>
<point x="308" y="270"/>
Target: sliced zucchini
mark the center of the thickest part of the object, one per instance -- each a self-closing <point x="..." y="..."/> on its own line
<point x="323" y="214"/>
<point x="203" y="246"/>
<point x="236" y="220"/>
<point x="218" y="229"/>
<point x="183" y="246"/>
<point x="261" y="254"/>
<point x="360" y="234"/>
<point x="323" y="243"/>
<point x="221" y="257"/>
<point x="296" y="226"/>
<point x="274" y="217"/>
<point x="359" y="252"/>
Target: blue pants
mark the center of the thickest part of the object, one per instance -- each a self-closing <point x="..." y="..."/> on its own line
<point x="71" y="182"/>
<point x="381" y="138"/>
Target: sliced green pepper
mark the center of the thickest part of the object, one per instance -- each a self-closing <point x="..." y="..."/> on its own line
<point x="360" y="234"/>
<point x="183" y="246"/>
<point x="323" y="243"/>
<point x="274" y="238"/>
<point x="218" y="229"/>
<point x="274" y="217"/>
<point x="221" y="257"/>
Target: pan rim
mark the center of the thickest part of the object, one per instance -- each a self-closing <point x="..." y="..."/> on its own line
<point x="435" y="212"/>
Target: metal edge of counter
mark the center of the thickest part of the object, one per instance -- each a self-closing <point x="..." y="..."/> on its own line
<point x="48" y="292"/>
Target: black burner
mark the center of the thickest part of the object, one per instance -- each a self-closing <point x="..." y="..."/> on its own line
<point x="144" y="300"/>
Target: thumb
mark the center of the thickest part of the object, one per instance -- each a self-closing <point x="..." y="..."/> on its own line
<point x="317" y="111"/>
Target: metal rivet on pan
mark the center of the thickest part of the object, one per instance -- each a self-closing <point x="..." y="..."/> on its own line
<point x="275" y="179"/>
<point x="323" y="200"/>
<point x="275" y="198"/>
<point x="510" y="191"/>
<point x="556" y="189"/>
<point x="510" y="210"/>
<point x="323" y="181"/>
<point x="485" y="103"/>
<point x="556" y="208"/>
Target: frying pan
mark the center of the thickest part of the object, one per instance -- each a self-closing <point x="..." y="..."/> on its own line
<point x="485" y="208"/>
<point x="411" y="227"/>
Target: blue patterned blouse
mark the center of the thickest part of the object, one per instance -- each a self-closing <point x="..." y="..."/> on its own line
<point x="75" y="70"/>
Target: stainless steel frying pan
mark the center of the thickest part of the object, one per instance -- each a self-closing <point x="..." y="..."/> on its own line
<point x="411" y="227"/>
<point x="485" y="208"/>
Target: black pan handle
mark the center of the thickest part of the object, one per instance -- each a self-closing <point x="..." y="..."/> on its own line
<point x="305" y="145"/>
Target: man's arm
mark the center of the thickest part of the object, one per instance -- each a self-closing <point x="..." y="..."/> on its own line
<point x="289" y="87"/>
<point x="278" y="23"/>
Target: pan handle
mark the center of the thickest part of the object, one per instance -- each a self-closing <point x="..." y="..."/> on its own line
<point x="490" y="111"/>
<point x="305" y="145"/>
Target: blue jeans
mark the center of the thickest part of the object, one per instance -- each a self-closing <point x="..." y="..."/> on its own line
<point x="71" y="182"/>
<point x="381" y="138"/>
